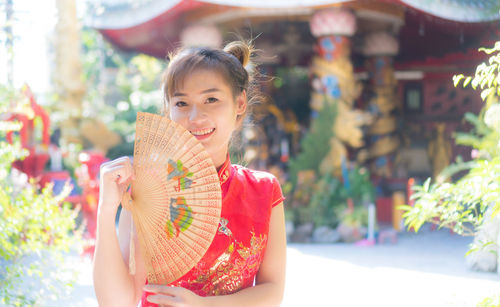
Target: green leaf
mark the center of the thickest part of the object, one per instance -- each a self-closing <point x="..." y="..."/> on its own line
<point x="467" y="81"/>
<point x="485" y="93"/>
<point x="483" y="82"/>
<point x="495" y="212"/>
<point x="404" y="207"/>
<point x="457" y="78"/>
<point x="485" y="244"/>
<point x="417" y="225"/>
<point x="427" y="184"/>
<point x="490" y="50"/>
<point x="471" y="250"/>
<point x="491" y="78"/>
<point x="475" y="83"/>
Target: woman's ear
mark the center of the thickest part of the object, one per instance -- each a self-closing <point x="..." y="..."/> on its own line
<point x="241" y="104"/>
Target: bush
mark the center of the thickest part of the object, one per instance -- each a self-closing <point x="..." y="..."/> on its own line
<point x="36" y="228"/>
<point x="467" y="203"/>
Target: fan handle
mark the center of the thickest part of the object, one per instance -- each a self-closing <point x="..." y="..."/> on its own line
<point x="127" y="201"/>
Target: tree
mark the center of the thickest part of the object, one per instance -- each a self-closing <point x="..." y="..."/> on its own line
<point x="472" y="200"/>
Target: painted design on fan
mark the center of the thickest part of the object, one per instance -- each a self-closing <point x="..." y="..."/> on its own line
<point x="181" y="217"/>
<point x="178" y="172"/>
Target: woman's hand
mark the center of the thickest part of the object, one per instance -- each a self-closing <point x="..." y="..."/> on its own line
<point x="115" y="177"/>
<point x="173" y="296"/>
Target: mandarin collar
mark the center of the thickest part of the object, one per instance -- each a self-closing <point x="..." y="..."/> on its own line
<point x="224" y="171"/>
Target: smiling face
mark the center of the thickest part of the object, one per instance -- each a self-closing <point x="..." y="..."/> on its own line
<point x="205" y="105"/>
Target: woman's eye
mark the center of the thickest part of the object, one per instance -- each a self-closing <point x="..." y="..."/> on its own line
<point x="180" y="104"/>
<point x="212" y="100"/>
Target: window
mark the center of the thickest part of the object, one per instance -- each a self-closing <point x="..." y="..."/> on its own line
<point x="413" y="101"/>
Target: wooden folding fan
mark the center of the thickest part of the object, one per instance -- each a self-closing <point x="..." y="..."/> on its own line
<point x="175" y="199"/>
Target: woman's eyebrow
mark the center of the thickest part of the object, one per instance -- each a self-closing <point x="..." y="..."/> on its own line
<point x="210" y="90"/>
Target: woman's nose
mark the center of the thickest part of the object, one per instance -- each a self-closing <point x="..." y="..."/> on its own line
<point x="197" y="113"/>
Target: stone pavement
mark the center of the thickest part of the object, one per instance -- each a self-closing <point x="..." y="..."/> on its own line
<point x="424" y="269"/>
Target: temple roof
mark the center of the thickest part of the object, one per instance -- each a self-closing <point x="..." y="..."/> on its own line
<point x="113" y="14"/>
<point x="459" y="10"/>
<point x="424" y="27"/>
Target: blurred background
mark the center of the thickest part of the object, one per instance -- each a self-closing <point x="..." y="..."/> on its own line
<point x="377" y="117"/>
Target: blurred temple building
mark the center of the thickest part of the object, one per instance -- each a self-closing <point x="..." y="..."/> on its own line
<point x="387" y="64"/>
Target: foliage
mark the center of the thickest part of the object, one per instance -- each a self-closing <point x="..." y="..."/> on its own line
<point x="139" y="83"/>
<point x="329" y="199"/>
<point x="329" y="196"/>
<point x="292" y="85"/>
<point x="35" y="229"/>
<point x="135" y="87"/>
<point x="467" y="203"/>
<point x="356" y="219"/>
<point x="492" y="301"/>
<point x="460" y="206"/>
<point x="96" y="55"/>
<point x="142" y="74"/>
<point x="323" y="201"/>
<point x="486" y="76"/>
<point x="316" y="144"/>
<point x="362" y="190"/>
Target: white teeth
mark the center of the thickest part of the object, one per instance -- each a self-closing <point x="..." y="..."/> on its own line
<point x="202" y="131"/>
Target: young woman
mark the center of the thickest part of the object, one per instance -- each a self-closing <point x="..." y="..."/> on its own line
<point x="205" y="92"/>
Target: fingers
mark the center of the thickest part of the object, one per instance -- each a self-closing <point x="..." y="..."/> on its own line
<point x="169" y="296"/>
<point x="172" y="296"/>
<point x="125" y="161"/>
<point x="164" y="300"/>
<point x="172" y="291"/>
<point x="119" y="174"/>
<point x="116" y="161"/>
<point x="120" y="170"/>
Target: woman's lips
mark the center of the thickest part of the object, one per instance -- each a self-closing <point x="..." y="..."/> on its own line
<point x="202" y="134"/>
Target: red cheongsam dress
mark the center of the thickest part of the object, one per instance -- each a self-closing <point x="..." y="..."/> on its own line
<point x="233" y="259"/>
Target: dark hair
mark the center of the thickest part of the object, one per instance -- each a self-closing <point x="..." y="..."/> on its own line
<point x="231" y="63"/>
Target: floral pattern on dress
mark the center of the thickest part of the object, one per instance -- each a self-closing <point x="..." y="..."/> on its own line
<point x="230" y="269"/>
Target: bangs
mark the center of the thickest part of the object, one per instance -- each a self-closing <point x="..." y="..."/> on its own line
<point x="186" y="63"/>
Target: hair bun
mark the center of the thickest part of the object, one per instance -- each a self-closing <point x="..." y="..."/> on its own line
<point x="240" y="50"/>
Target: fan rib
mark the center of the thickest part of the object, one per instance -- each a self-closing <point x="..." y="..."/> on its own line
<point x="152" y="129"/>
<point x="157" y="250"/>
<point x="150" y="256"/>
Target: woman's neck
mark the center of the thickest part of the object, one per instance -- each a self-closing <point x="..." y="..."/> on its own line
<point x="219" y="161"/>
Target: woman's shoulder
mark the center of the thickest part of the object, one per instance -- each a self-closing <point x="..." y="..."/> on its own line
<point x="260" y="184"/>
<point x="253" y="175"/>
